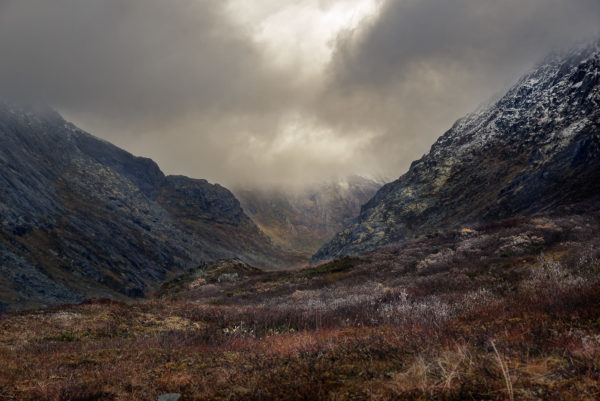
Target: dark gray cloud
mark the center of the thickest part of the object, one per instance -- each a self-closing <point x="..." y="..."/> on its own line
<point x="176" y="80"/>
<point x="475" y="33"/>
<point x="187" y="83"/>
<point x="421" y="64"/>
<point x="132" y="58"/>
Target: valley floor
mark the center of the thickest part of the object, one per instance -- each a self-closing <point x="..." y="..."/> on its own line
<point x="498" y="312"/>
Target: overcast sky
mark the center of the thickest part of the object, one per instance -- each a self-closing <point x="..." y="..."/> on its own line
<point x="262" y="92"/>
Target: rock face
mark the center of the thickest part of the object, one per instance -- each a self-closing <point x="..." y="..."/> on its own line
<point x="536" y="148"/>
<point x="80" y="217"/>
<point x="169" y="397"/>
<point x="304" y="220"/>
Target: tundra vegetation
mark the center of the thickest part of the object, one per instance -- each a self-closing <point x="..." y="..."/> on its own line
<point x="501" y="311"/>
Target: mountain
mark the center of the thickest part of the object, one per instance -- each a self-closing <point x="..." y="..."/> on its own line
<point x="305" y="219"/>
<point x="536" y="148"/>
<point x="80" y="217"/>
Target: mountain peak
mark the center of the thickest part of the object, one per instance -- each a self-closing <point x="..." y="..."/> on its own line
<point x="80" y="217"/>
<point x="535" y="148"/>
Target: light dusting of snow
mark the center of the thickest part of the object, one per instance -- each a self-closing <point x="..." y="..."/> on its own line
<point x="574" y="128"/>
<point x="539" y="92"/>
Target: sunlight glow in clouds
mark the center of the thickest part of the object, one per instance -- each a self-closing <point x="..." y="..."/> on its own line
<point x="277" y="92"/>
<point x="304" y="135"/>
<point x="301" y="33"/>
<point x="301" y="147"/>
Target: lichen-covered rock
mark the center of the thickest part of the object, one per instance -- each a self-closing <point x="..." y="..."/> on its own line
<point x="536" y="148"/>
<point x="440" y="259"/>
<point x="169" y="397"/>
<point x="517" y="244"/>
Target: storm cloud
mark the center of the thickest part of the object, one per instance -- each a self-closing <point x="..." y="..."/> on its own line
<point x="421" y="64"/>
<point x="277" y="92"/>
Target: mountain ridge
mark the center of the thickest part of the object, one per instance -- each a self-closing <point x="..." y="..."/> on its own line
<point x="535" y="148"/>
<point x="80" y="217"/>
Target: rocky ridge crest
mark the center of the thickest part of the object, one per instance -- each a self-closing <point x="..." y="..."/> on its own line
<point x="536" y="148"/>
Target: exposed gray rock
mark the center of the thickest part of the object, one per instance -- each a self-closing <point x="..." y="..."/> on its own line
<point x="80" y="217"/>
<point x="169" y="397"/>
<point x="535" y="149"/>
<point x="228" y="277"/>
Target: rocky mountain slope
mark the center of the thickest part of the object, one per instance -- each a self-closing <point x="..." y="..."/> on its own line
<point x="304" y="220"/>
<point x="534" y="149"/>
<point x="80" y="217"/>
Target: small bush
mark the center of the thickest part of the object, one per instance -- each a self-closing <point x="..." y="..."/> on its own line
<point x="336" y="266"/>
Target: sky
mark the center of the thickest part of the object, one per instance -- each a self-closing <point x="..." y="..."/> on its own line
<point x="277" y="93"/>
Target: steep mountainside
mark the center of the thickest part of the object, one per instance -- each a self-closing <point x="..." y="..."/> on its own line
<point x="80" y="217"/>
<point x="536" y="148"/>
<point x="306" y="219"/>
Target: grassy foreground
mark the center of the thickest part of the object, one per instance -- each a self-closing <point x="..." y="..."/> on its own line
<point x="498" y="312"/>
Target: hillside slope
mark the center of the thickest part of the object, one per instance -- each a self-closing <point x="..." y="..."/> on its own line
<point x="80" y="217"/>
<point x="534" y="149"/>
<point x="304" y="220"/>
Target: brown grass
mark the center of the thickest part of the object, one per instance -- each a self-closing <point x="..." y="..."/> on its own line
<point x="470" y="323"/>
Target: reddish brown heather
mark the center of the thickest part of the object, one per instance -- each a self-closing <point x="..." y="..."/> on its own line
<point x="505" y="311"/>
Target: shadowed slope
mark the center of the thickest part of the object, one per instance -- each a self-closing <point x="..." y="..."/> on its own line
<point x="81" y="217"/>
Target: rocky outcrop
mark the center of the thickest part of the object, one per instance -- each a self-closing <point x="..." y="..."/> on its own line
<point x="81" y="218"/>
<point x="536" y="148"/>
